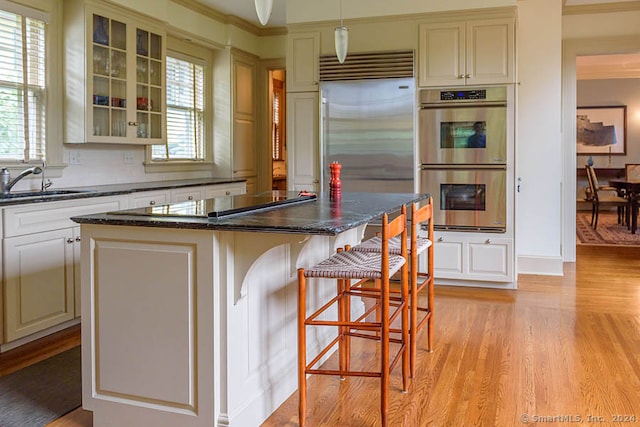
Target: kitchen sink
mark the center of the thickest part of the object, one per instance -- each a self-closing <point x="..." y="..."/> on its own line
<point x="38" y="194"/>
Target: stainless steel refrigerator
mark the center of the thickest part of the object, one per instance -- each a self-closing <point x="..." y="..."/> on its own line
<point x="368" y="127"/>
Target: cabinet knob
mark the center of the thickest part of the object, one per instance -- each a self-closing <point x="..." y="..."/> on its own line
<point x="190" y="198"/>
<point x="440" y="239"/>
<point x="132" y="123"/>
<point x="69" y="240"/>
<point x="227" y="192"/>
<point x="461" y="76"/>
<point x="467" y="76"/>
<point x="78" y="239"/>
<point x="488" y="241"/>
<point x="153" y="202"/>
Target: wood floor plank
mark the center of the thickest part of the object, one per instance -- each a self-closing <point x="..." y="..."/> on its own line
<point x="557" y="346"/>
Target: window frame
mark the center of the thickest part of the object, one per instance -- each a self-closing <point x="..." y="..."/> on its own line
<point x="182" y="49"/>
<point x="54" y="85"/>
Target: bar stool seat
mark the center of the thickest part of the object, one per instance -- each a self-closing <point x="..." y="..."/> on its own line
<point x="362" y="267"/>
<point x="417" y="245"/>
<point x="375" y="243"/>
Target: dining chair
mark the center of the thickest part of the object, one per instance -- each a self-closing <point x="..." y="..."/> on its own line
<point x="362" y="267"/>
<point x="623" y="212"/>
<point x="418" y="280"/>
<point x="599" y="200"/>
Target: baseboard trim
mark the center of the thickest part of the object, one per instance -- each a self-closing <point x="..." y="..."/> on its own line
<point x="547" y="266"/>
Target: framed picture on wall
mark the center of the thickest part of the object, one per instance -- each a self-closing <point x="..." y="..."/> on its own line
<point x="601" y="130"/>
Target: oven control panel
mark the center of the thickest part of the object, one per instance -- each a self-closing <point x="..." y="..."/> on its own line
<point x="454" y="95"/>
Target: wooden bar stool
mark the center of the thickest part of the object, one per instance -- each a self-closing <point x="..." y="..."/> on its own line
<point x="346" y="266"/>
<point x="417" y="245"/>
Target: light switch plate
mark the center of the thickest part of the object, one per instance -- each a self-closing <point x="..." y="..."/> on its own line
<point x="74" y="157"/>
<point x="128" y="157"/>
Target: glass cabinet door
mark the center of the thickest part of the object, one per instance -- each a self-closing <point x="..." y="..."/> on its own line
<point x="127" y="81"/>
<point x="149" y="78"/>
<point x="109" y="75"/>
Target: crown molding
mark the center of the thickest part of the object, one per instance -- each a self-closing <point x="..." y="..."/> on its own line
<point x="444" y="16"/>
<point x="230" y="19"/>
<point x="601" y="8"/>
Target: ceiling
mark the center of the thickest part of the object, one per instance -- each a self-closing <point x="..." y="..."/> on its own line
<point x="245" y="9"/>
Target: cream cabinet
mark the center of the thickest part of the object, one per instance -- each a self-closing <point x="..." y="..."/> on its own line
<point x="41" y="248"/>
<point x="303" y="58"/>
<point x="141" y="199"/>
<point x="114" y="71"/>
<point x="303" y="136"/>
<point x="471" y="256"/>
<point x="206" y="192"/>
<point x="231" y="189"/>
<point x="473" y="52"/>
<point x="244" y="147"/>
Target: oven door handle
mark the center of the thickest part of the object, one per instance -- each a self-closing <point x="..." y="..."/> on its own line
<point x="462" y="166"/>
<point x="467" y="105"/>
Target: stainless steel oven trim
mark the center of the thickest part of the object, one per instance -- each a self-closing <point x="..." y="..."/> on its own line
<point x="493" y="220"/>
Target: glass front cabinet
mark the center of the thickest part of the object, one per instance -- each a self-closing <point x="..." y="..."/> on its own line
<point x="122" y="95"/>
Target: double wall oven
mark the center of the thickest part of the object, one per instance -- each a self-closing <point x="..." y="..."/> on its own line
<point x="463" y="137"/>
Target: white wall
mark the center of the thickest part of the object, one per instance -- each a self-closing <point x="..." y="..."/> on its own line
<point x="614" y="92"/>
<point x="538" y="137"/>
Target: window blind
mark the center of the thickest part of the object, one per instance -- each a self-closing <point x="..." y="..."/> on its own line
<point x="185" y="112"/>
<point x="22" y="87"/>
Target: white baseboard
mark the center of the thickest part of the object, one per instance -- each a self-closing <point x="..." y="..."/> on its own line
<point x="37" y="335"/>
<point x="547" y="266"/>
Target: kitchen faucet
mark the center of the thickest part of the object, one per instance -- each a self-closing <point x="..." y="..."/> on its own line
<point x="6" y="182"/>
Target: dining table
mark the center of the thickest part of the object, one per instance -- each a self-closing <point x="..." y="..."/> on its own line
<point x="629" y="189"/>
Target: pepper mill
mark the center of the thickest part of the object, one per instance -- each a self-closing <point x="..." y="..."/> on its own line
<point x="335" y="185"/>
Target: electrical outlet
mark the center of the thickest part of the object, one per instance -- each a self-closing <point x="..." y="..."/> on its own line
<point x="128" y="157"/>
<point x="74" y="157"/>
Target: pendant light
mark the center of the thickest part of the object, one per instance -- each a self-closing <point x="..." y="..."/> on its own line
<point x="341" y="39"/>
<point x="263" y="9"/>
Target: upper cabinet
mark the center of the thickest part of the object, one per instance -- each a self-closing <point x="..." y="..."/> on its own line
<point x="114" y="76"/>
<point x="472" y="52"/>
<point x="303" y="56"/>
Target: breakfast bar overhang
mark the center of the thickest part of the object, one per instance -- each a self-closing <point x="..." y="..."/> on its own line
<point x="190" y="320"/>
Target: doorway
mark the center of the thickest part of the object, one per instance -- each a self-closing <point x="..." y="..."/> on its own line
<point x="277" y="129"/>
<point x="572" y="50"/>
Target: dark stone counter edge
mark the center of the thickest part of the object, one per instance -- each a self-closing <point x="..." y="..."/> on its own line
<point x="261" y="222"/>
<point x="117" y="189"/>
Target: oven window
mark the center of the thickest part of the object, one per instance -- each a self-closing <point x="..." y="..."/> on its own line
<point x="463" y="197"/>
<point x="463" y="134"/>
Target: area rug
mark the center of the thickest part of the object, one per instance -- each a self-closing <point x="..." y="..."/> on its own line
<point x="609" y="232"/>
<point x="41" y="393"/>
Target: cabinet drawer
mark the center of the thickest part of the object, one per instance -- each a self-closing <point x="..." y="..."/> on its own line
<point x="149" y="198"/>
<point x="39" y="217"/>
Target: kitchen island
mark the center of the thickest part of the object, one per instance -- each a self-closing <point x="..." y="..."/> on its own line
<point x="190" y="320"/>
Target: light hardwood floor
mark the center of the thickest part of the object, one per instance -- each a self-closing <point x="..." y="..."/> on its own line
<point x="558" y="347"/>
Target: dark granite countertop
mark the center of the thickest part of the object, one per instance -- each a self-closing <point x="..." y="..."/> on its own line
<point x="84" y="192"/>
<point x="322" y="216"/>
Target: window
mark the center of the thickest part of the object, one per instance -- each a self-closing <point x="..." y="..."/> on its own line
<point x="23" y="91"/>
<point x="185" y="111"/>
<point x="277" y="140"/>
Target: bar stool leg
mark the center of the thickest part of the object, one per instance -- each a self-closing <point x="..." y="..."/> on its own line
<point x="347" y="318"/>
<point x="406" y="356"/>
<point x="302" y="348"/>
<point x="414" y="314"/>
<point x="384" y="350"/>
